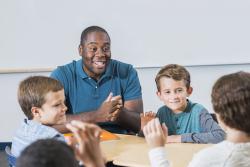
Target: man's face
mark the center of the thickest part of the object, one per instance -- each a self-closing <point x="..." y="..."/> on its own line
<point x="174" y="94"/>
<point x="96" y="54"/>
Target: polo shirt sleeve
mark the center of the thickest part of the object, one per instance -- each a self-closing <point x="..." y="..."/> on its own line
<point x="133" y="88"/>
<point x="59" y="75"/>
<point x="210" y="131"/>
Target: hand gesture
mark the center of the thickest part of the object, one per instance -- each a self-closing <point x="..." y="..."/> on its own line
<point x="155" y="134"/>
<point x="86" y="143"/>
<point x="146" y="117"/>
<point x="110" y="108"/>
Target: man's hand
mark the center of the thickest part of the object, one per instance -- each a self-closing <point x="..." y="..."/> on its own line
<point x="86" y="143"/>
<point x="110" y="108"/>
<point x="146" y="117"/>
<point x="155" y="134"/>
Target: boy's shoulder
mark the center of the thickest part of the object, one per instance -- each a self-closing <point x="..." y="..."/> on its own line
<point x="196" y="107"/>
<point x="163" y="110"/>
<point x="30" y="131"/>
<point x="35" y="130"/>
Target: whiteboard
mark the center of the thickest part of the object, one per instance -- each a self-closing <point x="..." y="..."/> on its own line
<point x="145" y="33"/>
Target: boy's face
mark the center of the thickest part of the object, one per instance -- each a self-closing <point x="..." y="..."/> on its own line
<point x="174" y="94"/>
<point x="53" y="110"/>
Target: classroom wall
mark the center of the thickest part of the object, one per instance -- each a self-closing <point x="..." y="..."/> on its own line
<point x="202" y="78"/>
<point x="192" y="32"/>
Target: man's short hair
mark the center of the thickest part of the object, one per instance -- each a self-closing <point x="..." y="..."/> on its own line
<point x="89" y="30"/>
<point x="47" y="153"/>
<point x="174" y="71"/>
<point x="231" y="100"/>
<point x="32" y="92"/>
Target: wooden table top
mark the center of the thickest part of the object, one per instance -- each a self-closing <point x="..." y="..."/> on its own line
<point x="133" y="151"/>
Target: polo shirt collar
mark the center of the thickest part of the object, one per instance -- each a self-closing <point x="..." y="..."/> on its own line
<point x="83" y="74"/>
<point x="109" y="70"/>
<point x="80" y="70"/>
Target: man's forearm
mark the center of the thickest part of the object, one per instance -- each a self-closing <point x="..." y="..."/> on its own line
<point x="129" y="117"/>
<point x="129" y="120"/>
<point x="91" y="117"/>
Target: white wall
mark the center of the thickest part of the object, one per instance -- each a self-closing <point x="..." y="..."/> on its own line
<point x="202" y="79"/>
<point x="153" y="31"/>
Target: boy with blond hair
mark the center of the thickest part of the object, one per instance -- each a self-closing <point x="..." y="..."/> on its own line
<point x="42" y="101"/>
<point x="186" y="121"/>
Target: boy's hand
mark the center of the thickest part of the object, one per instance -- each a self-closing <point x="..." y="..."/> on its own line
<point x="174" y="139"/>
<point x="155" y="134"/>
<point x="87" y="143"/>
<point x="146" y="117"/>
<point x="110" y="108"/>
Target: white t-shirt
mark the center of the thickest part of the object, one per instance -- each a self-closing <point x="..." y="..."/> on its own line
<point x="224" y="154"/>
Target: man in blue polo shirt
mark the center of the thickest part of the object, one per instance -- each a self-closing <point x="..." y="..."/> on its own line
<point x="99" y="89"/>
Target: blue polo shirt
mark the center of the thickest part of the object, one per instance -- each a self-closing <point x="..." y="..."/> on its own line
<point x="84" y="94"/>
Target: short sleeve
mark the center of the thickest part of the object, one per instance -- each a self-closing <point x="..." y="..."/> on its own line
<point x="133" y="88"/>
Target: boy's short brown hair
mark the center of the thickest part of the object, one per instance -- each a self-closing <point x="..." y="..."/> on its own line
<point x="32" y="92"/>
<point x="231" y="100"/>
<point x="174" y="71"/>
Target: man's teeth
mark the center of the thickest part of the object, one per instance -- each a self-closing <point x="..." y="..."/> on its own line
<point x="99" y="63"/>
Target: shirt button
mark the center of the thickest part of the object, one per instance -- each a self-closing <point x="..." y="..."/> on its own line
<point x="89" y="78"/>
<point x="176" y="119"/>
<point x="96" y="87"/>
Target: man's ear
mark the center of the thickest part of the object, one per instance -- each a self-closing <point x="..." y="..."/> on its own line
<point x="80" y="50"/>
<point x="35" y="111"/>
<point x="189" y="90"/>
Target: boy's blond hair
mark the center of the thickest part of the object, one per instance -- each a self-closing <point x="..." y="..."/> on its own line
<point x="32" y="92"/>
<point x="231" y="100"/>
<point x="174" y="71"/>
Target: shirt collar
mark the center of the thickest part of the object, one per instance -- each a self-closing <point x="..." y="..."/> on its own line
<point x="80" y="70"/>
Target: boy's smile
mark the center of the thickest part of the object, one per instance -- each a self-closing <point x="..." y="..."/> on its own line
<point x="174" y="94"/>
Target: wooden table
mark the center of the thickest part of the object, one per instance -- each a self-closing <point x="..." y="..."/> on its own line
<point x="133" y="151"/>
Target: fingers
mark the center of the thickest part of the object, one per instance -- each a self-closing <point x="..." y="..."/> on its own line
<point x="75" y="131"/>
<point x="114" y="115"/>
<point x="83" y="131"/>
<point x="109" y="98"/>
<point x="153" y="126"/>
<point x="148" y="114"/>
<point x="87" y="149"/>
<point x="117" y="98"/>
<point x="165" y="129"/>
<point x="115" y="106"/>
<point x="146" y="117"/>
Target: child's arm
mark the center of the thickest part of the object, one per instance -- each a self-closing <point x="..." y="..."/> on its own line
<point x="87" y="138"/>
<point x="156" y="135"/>
<point x="211" y="131"/>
